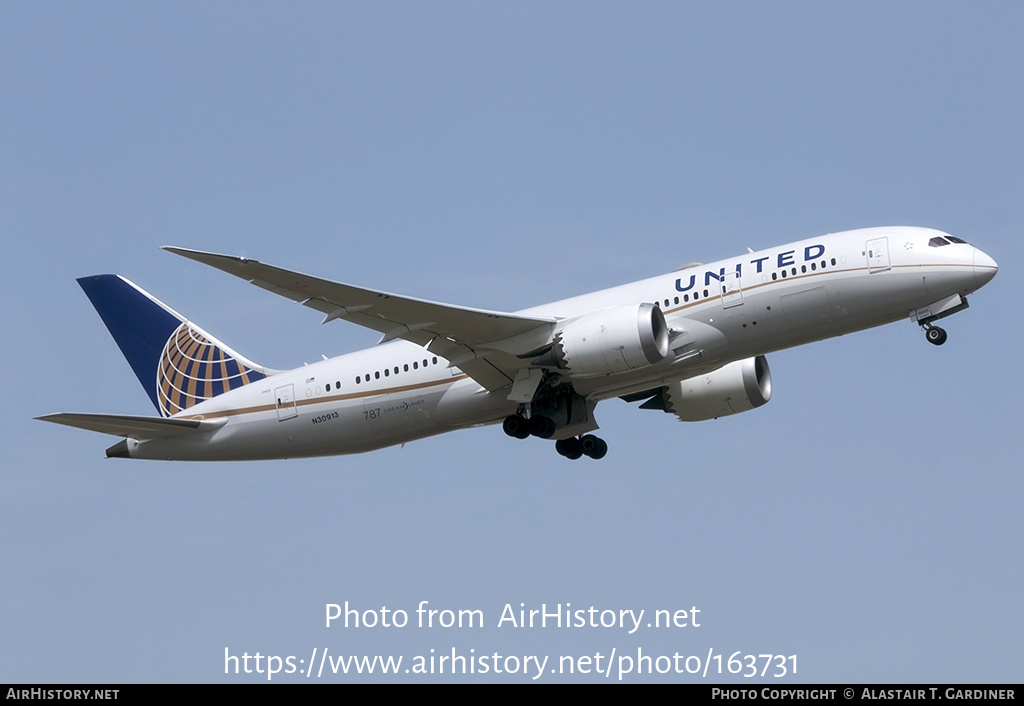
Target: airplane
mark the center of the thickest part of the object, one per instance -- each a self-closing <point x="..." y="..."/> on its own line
<point x="690" y="343"/>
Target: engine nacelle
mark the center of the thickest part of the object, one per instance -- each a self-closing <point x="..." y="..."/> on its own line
<point x="736" y="387"/>
<point x="613" y="341"/>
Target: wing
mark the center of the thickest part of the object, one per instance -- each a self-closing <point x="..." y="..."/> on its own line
<point x="131" y="426"/>
<point x="489" y="346"/>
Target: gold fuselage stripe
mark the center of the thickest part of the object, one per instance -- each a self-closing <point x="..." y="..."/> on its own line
<point x="324" y="399"/>
<point x="444" y="381"/>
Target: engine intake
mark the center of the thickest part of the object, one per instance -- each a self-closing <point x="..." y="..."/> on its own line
<point x="613" y="341"/>
<point x="733" y="388"/>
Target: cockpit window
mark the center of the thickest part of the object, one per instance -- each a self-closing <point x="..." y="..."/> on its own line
<point x="938" y="241"/>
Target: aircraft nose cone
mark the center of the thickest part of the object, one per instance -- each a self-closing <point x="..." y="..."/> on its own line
<point x="985" y="268"/>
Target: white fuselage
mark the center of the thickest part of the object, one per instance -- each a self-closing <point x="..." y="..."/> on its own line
<point x="728" y="310"/>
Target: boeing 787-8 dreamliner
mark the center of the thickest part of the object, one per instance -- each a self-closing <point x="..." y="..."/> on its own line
<point x="690" y="343"/>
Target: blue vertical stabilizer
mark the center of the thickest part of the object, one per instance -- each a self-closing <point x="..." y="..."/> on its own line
<point x="178" y="364"/>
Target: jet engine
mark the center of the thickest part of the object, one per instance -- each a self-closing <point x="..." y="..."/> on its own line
<point x="612" y="341"/>
<point x="736" y="387"/>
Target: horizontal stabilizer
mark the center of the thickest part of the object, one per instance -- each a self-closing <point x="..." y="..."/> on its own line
<point x="131" y="426"/>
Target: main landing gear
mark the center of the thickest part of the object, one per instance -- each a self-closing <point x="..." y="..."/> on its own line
<point x="574" y="447"/>
<point x="935" y="335"/>
<point x="521" y="427"/>
<point x="586" y="445"/>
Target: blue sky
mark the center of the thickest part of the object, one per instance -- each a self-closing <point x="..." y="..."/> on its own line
<point x="866" y="520"/>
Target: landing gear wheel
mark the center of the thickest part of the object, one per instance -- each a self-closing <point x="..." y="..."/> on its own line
<point x="594" y="446"/>
<point x="571" y="448"/>
<point x="935" y="335"/>
<point x="516" y="426"/>
<point x="542" y="426"/>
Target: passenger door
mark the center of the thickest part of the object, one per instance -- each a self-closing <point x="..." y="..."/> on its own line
<point x="285" y="396"/>
<point x="878" y="255"/>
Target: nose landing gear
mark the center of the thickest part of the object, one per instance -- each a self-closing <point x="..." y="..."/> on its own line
<point x="925" y="316"/>
<point x="935" y="335"/>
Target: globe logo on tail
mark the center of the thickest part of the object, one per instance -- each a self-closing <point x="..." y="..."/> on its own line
<point x="193" y="369"/>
